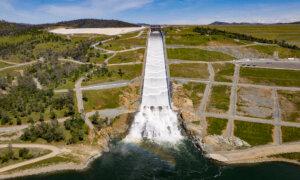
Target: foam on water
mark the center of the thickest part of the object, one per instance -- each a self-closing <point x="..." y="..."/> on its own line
<point x="155" y="121"/>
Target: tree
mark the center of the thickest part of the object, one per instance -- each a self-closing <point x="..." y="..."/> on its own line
<point x="120" y="72"/>
<point x="95" y="118"/>
<point x="10" y="152"/>
<point x="41" y="118"/>
<point x="24" y="153"/>
<point x="19" y="121"/>
<point x="30" y="120"/>
<point x="52" y="114"/>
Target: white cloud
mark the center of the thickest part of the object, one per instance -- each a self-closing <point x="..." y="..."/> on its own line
<point x="52" y="12"/>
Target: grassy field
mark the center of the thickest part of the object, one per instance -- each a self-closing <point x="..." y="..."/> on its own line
<point x="122" y="44"/>
<point x="290" y="134"/>
<point x="216" y="125"/>
<point x="130" y="72"/>
<point x="253" y="133"/>
<point x="220" y="98"/>
<point x="282" y="52"/>
<point x="100" y="59"/>
<point x="186" y="36"/>
<point x="197" y="55"/>
<point x="194" y="92"/>
<point x="130" y="56"/>
<point x="102" y="99"/>
<point x="47" y="162"/>
<point x="223" y="72"/>
<point x="69" y="84"/>
<point x="290" y="105"/>
<point x="266" y="76"/>
<point x="189" y="70"/>
<point x="289" y="32"/>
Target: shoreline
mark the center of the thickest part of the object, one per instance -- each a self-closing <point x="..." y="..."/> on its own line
<point x="55" y="168"/>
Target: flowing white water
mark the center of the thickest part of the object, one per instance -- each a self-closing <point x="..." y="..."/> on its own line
<point x="155" y="121"/>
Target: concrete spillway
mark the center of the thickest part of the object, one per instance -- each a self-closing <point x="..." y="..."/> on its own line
<point x="155" y="121"/>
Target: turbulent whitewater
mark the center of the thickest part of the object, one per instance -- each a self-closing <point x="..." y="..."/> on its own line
<point x="155" y="121"/>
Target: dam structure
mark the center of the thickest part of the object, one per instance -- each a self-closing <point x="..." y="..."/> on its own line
<point x="155" y="120"/>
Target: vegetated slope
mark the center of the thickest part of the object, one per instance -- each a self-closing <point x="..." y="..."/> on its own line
<point x="10" y="28"/>
<point x="92" y="23"/>
<point x="289" y="32"/>
<point x="247" y="23"/>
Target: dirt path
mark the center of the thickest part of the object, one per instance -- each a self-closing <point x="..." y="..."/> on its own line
<point x="233" y="100"/>
<point x="125" y="64"/>
<point x="80" y="106"/>
<point x="248" y="155"/>
<point x="277" y="117"/>
<point x="18" y="65"/>
<point x="255" y="120"/>
<point x="8" y="62"/>
<point x="108" y="85"/>
<point x="37" y="83"/>
<point x="55" y="152"/>
<point x="16" y="128"/>
<point x="239" y="84"/>
<point x="207" y="91"/>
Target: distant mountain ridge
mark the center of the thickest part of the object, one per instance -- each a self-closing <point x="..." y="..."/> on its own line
<point x="11" y="28"/>
<point x="93" y="23"/>
<point x="246" y="23"/>
<point x="78" y="23"/>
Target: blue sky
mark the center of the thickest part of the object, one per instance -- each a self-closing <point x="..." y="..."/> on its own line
<point x="152" y="11"/>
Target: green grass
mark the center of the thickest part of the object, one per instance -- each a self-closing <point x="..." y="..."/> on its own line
<point x="266" y="76"/>
<point x="290" y="105"/>
<point x="288" y="32"/>
<point x="130" y="72"/>
<point x="122" y="44"/>
<point x="102" y="99"/>
<point x="186" y="36"/>
<point x="130" y="56"/>
<point x="292" y="156"/>
<point x="189" y="70"/>
<point x="197" y="55"/>
<point x="253" y="133"/>
<point x="47" y="162"/>
<point x="69" y="84"/>
<point x="194" y="92"/>
<point x="216" y="125"/>
<point x="220" y="97"/>
<point x="290" y="134"/>
<point x="282" y="52"/>
<point x="100" y="59"/>
<point x="223" y="72"/>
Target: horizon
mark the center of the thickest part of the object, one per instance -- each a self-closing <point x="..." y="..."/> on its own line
<point x="188" y="12"/>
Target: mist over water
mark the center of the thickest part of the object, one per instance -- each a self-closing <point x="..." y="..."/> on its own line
<point x="155" y="120"/>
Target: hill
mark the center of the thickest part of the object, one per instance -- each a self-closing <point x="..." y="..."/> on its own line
<point x="246" y="23"/>
<point x="11" y="28"/>
<point x="91" y="23"/>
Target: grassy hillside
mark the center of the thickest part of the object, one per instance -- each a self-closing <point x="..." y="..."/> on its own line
<point x="286" y="32"/>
